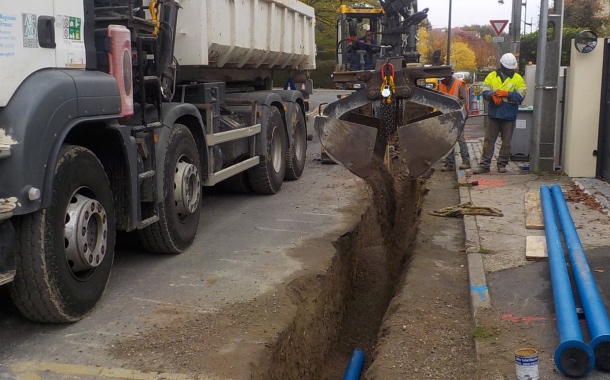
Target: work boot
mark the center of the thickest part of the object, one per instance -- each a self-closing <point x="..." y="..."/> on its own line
<point x="464" y="166"/>
<point x="481" y="170"/>
<point x="448" y="168"/>
<point x="501" y="169"/>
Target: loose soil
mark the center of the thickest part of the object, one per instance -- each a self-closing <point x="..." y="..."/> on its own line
<point x="396" y="293"/>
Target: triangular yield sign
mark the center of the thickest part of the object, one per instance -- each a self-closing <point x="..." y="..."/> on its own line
<point x="498" y="26"/>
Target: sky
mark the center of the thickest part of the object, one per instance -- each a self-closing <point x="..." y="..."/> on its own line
<point x="477" y="12"/>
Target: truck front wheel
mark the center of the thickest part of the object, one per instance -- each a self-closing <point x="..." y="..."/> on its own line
<point x="180" y="208"/>
<point x="267" y="177"/>
<point x="65" y="252"/>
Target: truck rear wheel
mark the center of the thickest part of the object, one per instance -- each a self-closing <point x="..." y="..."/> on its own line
<point x="180" y="208"/>
<point x="65" y="252"/>
<point x="267" y="177"/>
<point x="295" y="163"/>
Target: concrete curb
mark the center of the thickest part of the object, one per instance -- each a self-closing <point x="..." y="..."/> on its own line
<point x="479" y="292"/>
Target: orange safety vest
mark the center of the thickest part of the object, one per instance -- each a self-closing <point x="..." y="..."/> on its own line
<point x="455" y="90"/>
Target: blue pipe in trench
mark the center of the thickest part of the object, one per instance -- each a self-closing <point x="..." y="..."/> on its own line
<point x="572" y="357"/>
<point x="595" y="311"/>
<point x="355" y="365"/>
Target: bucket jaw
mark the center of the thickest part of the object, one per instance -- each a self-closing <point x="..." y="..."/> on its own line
<point x="354" y="139"/>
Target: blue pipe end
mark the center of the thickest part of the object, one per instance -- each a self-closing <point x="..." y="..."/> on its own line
<point x="355" y="365"/>
<point x="601" y="348"/>
<point x="574" y="358"/>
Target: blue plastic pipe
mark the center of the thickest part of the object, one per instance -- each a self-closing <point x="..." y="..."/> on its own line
<point x="355" y="365"/>
<point x="572" y="357"/>
<point x="595" y="311"/>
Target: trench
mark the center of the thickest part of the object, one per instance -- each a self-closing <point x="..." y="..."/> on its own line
<point x="344" y="308"/>
<point x="307" y="328"/>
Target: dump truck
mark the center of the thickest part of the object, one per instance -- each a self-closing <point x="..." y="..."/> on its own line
<point x="115" y="113"/>
<point x="421" y="124"/>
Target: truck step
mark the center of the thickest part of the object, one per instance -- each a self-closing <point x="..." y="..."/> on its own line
<point x="5" y="151"/>
<point x="146" y="174"/>
<point x="151" y="79"/>
<point x="147" y="127"/>
<point x="6" y="277"/>
<point x="147" y="37"/>
<point x="113" y="8"/>
<point x="148" y="221"/>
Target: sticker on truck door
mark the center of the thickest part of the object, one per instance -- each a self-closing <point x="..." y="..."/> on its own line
<point x="72" y="28"/>
<point x="30" y="31"/>
<point x="71" y="45"/>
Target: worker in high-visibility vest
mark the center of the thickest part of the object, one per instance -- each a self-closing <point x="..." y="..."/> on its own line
<point x="458" y="88"/>
<point x="504" y="89"/>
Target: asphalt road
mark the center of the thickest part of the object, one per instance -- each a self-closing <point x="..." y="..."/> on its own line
<point x="240" y="252"/>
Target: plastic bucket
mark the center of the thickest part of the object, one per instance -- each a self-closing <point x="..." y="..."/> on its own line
<point x="526" y="362"/>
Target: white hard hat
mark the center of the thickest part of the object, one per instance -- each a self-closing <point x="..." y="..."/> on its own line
<point x="509" y="61"/>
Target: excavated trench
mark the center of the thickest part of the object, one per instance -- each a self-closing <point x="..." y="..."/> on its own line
<point x="344" y="308"/>
<point x="306" y="329"/>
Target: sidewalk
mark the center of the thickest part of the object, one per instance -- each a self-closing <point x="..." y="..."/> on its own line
<point x="511" y="298"/>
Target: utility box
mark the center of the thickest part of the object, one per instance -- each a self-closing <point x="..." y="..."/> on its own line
<point x="522" y="135"/>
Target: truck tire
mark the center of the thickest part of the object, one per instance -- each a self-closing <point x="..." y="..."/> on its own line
<point x="65" y="252"/>
<point x="295" y="162"/>
<point x="267" y="177"/>
<point x="180" y="208"/>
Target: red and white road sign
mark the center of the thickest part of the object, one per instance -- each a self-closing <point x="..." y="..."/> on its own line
<point x="498" y="26"/>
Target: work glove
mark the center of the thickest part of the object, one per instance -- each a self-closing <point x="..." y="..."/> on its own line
<point x="501" y="93"/>
<point x="497" y="100"/>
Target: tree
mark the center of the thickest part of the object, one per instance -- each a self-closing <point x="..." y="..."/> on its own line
<point x="578" y="15"/>
<point x="326" y="39"/>
<point x="423" y="45"/>
<point x="463" y="57"/>
<point x="585" y="14"/>
<point x="529" y="45"/>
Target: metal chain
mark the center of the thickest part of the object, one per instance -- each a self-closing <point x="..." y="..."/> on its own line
<point x="388" y="119"/>
<point x="399" y="112"/>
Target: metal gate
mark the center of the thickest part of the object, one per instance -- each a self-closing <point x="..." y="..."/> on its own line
<point x="603" y="145"/>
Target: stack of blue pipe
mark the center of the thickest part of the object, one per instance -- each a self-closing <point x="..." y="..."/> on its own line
<point x="573" y="357"/>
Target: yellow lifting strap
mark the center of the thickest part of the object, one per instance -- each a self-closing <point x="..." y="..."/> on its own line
<point x="154" y="15"/>
<point x="387" y="89"/>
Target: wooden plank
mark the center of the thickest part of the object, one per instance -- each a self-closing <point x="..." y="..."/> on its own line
<point x="533" y="212"/>
<point x="535" y="248"/>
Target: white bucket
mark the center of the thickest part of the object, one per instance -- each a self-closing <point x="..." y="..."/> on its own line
<point x="526" y="361"/>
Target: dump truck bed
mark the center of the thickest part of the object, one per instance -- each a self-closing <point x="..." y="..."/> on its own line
<point x="249" y="34"/>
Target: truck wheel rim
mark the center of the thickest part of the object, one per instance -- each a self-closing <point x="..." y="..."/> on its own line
<point x="187" y="188"/>
<point x="276" y="151"/>
<point x="85" y="233"/>
<point x="299" y="152"/>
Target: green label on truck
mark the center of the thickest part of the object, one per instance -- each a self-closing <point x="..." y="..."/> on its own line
<point x="72" y="28"/>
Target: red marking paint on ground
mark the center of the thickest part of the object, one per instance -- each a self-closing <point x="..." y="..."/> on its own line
<point x="491" y="183"/>
<point x="527" y="320"/>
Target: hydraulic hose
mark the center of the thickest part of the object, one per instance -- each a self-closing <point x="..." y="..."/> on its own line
<point x="595" y="311"/>
<point x="355" y="365"/>
<point x="572" y="357"/>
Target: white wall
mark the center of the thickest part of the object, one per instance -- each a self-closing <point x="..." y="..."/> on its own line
<point x="582" y="111"/>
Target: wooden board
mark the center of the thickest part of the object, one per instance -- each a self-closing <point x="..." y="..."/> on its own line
<point x="535" y="248"/>
<point x="533" y="212"/>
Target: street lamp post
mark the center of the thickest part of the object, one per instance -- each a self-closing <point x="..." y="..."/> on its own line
<point x="449" y="36"/>
<point x="515" y="28"/>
